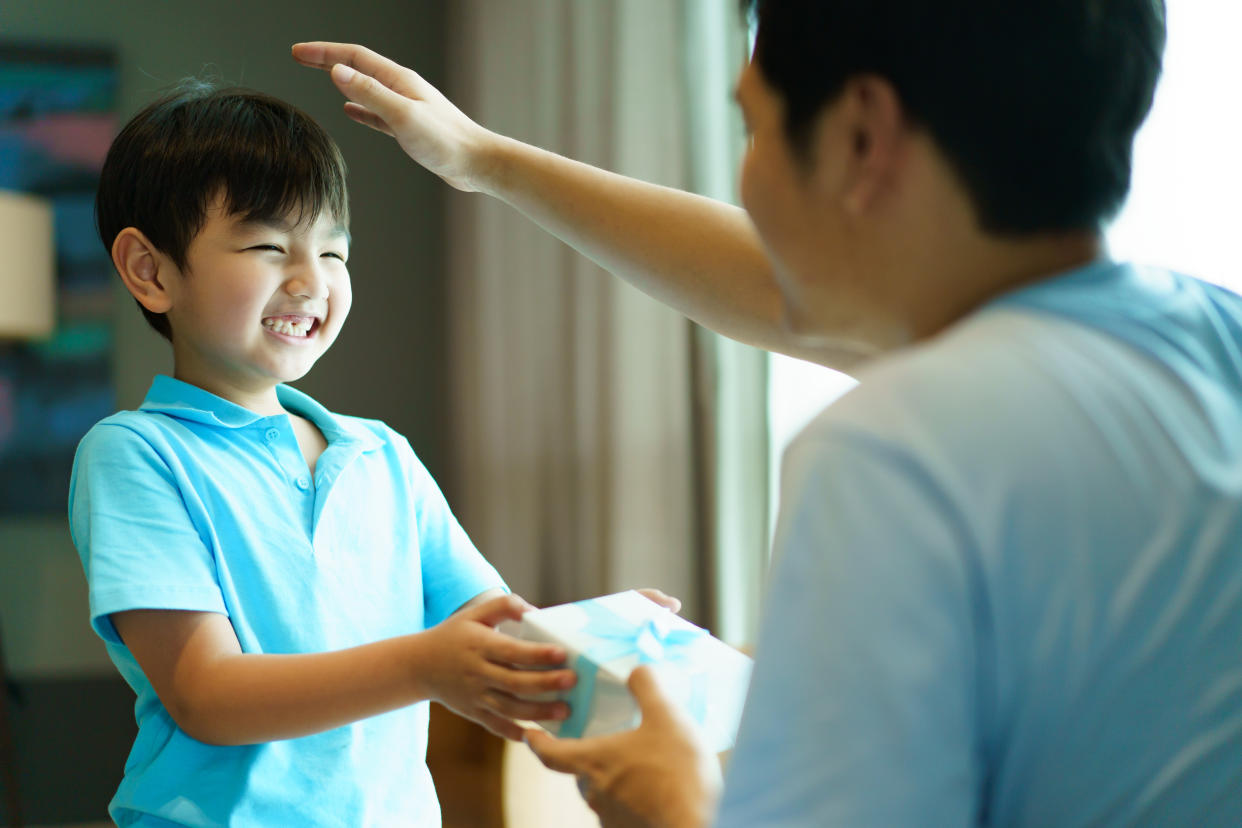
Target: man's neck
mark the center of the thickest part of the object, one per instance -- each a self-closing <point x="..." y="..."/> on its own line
<point x="900" y="300"/>
<point x="952" y="287"/>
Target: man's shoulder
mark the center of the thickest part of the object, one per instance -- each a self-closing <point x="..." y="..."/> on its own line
<point x="1000" y="397"/>
<point x="1002" y="363"/>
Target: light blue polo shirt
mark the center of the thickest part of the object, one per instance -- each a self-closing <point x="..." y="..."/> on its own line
<point x="194" y="503"/>
<point x="1007" y="576"/>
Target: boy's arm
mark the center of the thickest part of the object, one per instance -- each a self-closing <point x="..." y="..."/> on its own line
<point x="220" y="695"/>
<point x="698" y="255"/>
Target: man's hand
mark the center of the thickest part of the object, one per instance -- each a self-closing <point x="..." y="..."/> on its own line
<point x="477" y="672"/>
<point x="397" y="101"/>
<point x="659" y="774"/>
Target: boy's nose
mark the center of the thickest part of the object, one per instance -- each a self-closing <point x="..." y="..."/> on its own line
<point x="307" y="283"/>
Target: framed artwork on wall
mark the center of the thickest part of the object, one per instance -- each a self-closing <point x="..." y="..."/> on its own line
<point x="57" y="119"/>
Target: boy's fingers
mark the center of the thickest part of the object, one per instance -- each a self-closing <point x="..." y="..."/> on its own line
<point x="500" y="608"/>
<point x="512" y="707"/>
<point x="502" y="727"/>
<point x="530" y="682"/>
<point x="509" y="651"/>
<point x="662" y="598"/>
<point x="521" y="653"/>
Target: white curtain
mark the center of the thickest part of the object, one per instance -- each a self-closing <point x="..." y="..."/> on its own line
<point x="583" y="411"/>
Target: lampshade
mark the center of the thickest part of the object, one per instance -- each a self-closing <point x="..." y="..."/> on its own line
<point x="27" y="266"/>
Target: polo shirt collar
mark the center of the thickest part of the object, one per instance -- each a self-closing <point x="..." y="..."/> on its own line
<point x="184" y="401"/>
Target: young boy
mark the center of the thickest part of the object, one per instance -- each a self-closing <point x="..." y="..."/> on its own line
<point x="268" y="576"/>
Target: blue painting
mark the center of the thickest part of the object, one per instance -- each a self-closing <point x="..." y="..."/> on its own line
<point x="57" y="119"/>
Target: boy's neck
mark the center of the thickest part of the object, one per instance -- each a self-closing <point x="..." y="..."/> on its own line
<point x="261" y="399"/>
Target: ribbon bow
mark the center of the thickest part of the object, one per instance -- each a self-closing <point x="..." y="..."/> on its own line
<point x="653" y="640"/>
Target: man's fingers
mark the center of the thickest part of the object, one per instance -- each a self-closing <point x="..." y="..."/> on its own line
<point x="369" y="92"/>
<point x="650" y="696"/>
<point x="563" y="755"/>
<point x="325" y="55"/>
<point x="310" y="54"/>
<point x="366" y="117"/>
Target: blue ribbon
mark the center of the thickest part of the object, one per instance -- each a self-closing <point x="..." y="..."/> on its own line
<point x="620" y="638"/>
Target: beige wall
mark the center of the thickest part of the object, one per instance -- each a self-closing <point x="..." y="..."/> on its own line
<point x="388" y="362"/>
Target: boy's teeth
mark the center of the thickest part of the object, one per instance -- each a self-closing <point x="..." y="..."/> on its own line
<point x="288" y="327"/>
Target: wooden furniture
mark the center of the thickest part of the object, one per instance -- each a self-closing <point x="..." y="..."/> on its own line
<point x="484" y="781"/>
<point x="464" y="760"/>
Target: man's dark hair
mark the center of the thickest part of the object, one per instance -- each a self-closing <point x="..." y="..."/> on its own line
<point x="268" y="158"/>
<point x="1034" y="103"/>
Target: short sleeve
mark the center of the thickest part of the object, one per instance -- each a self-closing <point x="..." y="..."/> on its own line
<point x="139" y="546"/>
<point x="860" y="710"/>
<point x="453" y="570"/>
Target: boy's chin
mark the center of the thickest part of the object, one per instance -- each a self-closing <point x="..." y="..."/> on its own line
<point x="294" y="375"/>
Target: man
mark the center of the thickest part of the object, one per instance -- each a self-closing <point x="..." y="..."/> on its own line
<point x="1007" y="579"/>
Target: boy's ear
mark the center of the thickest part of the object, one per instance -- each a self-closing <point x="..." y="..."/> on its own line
<point x="139" y="263"/>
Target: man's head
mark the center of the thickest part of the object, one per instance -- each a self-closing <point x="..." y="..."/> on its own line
<point x="225" y="213"/>
<point x="265" y="158"/>
<point x="891" y="138"/>
<point x="1035" y="103"/>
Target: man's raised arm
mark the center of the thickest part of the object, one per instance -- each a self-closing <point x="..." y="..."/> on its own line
<point x="698" y="255"/>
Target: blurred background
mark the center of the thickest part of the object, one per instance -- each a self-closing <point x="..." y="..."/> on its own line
<point x="589" y="439"/>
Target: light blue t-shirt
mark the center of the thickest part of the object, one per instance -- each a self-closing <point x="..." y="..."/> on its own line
<point x="194" y="503"/>
<point x="1007" y="586"/>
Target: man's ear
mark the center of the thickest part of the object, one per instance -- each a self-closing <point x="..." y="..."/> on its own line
<point x="876" y="129"/>
<point x="139" y="263"/>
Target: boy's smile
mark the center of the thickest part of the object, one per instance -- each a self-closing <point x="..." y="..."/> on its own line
<point x="257" y="303"/>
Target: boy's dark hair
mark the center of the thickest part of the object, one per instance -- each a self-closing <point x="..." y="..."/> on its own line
<point x="267" y="157"/>
<point x="1034" y="103"/>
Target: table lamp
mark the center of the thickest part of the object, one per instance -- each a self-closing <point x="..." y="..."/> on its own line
<point x="27" y="267"/>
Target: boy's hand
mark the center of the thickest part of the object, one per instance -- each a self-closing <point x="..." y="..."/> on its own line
<point x="667" y="601"/>
<point x="475" y="671"/>
<point x="397" y="101"/>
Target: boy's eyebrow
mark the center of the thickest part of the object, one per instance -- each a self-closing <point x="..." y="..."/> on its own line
<point x="284" y="227"/>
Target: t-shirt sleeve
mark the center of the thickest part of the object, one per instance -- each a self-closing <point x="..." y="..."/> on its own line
<point x="453" y="570"/>
<point x="138" y="545"/>
<point x="862" y="705"/>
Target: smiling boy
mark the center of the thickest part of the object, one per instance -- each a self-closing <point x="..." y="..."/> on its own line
<point x="268" y="576"/>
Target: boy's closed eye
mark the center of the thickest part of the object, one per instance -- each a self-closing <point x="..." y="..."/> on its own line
<point x="332" y="254"/>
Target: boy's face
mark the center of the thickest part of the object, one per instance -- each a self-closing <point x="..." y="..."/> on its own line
<point x="257" y="304"/>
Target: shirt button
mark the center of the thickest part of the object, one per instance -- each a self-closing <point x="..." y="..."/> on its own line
<point x="303" y="483"/>
<point x="271" y="434"/>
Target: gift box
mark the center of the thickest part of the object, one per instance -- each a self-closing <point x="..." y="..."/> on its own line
<point x="608" y="637"/>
